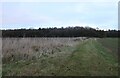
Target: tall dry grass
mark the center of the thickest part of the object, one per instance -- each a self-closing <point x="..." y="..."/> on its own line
<point x="15" y="49"/>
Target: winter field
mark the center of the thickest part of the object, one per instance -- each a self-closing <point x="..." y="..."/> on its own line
<point x="78" y="56"/>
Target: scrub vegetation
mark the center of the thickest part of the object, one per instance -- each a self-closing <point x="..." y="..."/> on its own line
<point x="78" y="56"/>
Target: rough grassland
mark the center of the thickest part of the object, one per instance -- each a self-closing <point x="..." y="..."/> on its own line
<point x="84" y="58"/>
<point x="91" y="58"/>
<point x="111" y="44"/>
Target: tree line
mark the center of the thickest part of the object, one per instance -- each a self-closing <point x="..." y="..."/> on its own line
<point x="60" y="32"/>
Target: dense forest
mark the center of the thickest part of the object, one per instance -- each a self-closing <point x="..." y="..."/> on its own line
<point x="60" y="32"/>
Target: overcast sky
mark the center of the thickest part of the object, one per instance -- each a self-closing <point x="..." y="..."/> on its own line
<point x="35" y="14"/>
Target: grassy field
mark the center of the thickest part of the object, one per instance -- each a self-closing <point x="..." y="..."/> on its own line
<point x="111" y="44"/>
<point x="60" y="57"/>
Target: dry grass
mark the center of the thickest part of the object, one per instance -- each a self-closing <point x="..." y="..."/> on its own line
<point x="15" y="49"/>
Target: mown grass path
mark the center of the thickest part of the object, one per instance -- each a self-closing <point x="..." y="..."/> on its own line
<point x="90" y="58"/>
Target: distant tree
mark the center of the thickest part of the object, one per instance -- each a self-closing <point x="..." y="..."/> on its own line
<point x="60" y="32"/>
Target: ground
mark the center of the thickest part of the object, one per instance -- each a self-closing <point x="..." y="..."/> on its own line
<point x="60" y="57"/>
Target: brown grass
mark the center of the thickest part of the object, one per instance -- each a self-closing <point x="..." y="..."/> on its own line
<point x="15" y="49"/>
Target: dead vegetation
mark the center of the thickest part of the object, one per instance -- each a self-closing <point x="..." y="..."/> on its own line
<point x="16" y="49"/>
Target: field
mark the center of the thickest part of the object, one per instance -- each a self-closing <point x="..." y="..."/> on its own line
<point x="60" y="56"/>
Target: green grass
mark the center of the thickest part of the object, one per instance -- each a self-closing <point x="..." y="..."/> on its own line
<point x="111" y="44"/>
<point x="44" y="66"/>
<point x="89" y="58"/>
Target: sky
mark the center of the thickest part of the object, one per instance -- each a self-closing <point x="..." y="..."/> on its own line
<point x="58" y="13"/>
